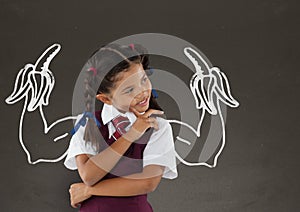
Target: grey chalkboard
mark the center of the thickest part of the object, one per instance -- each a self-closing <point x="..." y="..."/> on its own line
<point x="256" y="43"/>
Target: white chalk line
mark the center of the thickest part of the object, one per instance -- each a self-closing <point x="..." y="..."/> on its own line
<point x="25" y="83"/>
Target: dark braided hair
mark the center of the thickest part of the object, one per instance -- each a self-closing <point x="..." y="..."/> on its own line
<point x="103" y="67"/>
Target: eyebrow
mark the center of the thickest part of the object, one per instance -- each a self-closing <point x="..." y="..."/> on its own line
<point x="131" y="85"/>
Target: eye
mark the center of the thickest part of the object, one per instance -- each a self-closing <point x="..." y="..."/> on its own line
<point x="129" y="90"/>
<point x="145" y="79"/>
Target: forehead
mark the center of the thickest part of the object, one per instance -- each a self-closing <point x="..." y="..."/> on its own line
<point x="130" y="77"/>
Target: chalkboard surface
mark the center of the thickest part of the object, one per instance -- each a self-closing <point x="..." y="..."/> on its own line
<point x="256" y="43"/>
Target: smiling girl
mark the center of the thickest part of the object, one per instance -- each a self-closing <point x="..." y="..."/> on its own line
<point x="123" y="150"/>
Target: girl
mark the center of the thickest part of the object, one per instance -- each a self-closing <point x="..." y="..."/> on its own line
<point x="119" y="164"/>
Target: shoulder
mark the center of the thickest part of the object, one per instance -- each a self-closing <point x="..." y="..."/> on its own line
<point x="160" y="149"/>
<point x="163" y="124"/>
<point x="164" y="130"/>
<point x="78" y="146"/>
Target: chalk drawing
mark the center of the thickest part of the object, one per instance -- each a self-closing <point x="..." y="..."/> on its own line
<point x="37" y="94"/>
<point x="35" y="83"/>
<point x="217" y="85"/>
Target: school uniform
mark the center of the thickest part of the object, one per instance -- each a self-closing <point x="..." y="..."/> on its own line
<point x="153" y="147"/>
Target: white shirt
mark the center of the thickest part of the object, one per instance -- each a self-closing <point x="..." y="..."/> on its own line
<point x="159" y="150"/>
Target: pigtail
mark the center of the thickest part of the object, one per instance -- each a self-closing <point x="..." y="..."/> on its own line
<point x="98" y="64"/>
<point x="91" y="133"/>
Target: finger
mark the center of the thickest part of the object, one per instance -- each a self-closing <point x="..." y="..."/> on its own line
<point x="154" y="125"/>
<point x="136" y="113"/>
<point x="150" y="119"/>
<point x="152" y="111"/>
<point x="74" y="185"/>
<point x="73" y="205"/>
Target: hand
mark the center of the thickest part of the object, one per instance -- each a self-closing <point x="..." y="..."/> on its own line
<point x="142" y="123"/>
<point x="78" y="193"/>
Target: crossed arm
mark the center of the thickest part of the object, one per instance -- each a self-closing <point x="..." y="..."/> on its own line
<point x="94" y="168"/>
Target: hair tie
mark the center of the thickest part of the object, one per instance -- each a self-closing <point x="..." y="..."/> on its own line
<point x="155" y="95"/>
<point x="131" y="46"/>
<point x="82" y="121"/>
<point x="93" y="70"/>
<point x="151" y="70"/>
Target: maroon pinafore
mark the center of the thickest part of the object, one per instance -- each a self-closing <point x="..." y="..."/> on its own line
<point x="125" y="166"/>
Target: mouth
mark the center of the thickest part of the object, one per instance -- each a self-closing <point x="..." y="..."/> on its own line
<point x="143" y="102"/>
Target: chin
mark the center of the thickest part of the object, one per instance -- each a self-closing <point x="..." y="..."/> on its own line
<point x="141" y="109"/>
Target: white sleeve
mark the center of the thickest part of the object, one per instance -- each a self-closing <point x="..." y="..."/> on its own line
<point x="160" y="149"/>
<point x="78" y="146"/>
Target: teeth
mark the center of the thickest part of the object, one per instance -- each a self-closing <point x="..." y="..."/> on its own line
<point x="143" y="101"/>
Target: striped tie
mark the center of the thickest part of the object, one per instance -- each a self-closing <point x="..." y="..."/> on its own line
<point x="120" y="123"/>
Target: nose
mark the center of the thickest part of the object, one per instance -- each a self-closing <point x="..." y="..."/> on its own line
<point x="142" y="91"/>
<point x="141" y="95"/>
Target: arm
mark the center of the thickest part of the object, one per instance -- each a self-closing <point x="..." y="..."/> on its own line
<point x="93" y="168"/>
<point x="130" y="185"/>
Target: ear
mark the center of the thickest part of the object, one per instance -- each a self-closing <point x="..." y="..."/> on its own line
<point x="104" y="98"/>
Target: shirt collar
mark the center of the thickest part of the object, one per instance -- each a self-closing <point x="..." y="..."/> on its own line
<point x="109" y="112"/>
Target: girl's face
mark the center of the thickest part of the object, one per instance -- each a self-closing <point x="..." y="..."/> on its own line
<point x="131" y="90"/>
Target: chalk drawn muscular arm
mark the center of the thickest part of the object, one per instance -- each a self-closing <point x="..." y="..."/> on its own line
<point x="35" y="83"/>
<point x="209" y="86"/>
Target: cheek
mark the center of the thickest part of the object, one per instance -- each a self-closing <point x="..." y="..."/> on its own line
<point x="124" y="101"/>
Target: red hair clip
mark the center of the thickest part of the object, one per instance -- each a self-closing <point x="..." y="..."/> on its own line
<point x="131" y="46"/>
<point x="93" y="70"/>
